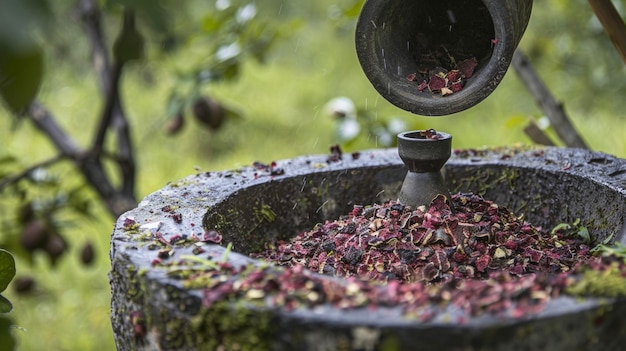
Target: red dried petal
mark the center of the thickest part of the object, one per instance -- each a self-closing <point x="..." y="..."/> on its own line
<point x="212" y="236"/>
<point x="129" y="223"/>
<point x="436" y="83"/>
<point x="423" y="85"/>
<point x="459" y="257"/>
<point x="453" y="75"/>
<point x="533" y="254"/>
<point x="411" y="77"/>
<point x="467" y="67"/>
<point x="440" y="260"/>
<point x="518" y="269"/>
<point x="429" y="272"/>
<point x="456" y="86"/>
<point x="511" y="244"/>
<point x="482" y="263"/>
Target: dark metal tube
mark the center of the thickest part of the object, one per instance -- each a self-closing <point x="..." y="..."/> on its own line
<point x="389" y="32"/>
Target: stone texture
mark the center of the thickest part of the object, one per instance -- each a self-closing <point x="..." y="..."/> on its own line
<point x="153" y="311"/>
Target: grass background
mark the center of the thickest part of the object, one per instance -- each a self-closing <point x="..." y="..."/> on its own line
<point x="282" y="103"/>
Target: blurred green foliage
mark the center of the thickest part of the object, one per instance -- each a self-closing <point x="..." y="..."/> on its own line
<point x="7" y="272"/>
<point x="272" y="66"/>
<point x="575" y="56"/>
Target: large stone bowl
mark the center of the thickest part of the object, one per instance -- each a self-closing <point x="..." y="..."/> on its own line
<point x="152" y="309"/>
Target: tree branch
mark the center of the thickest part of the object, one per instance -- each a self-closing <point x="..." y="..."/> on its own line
<point x="612" y="23"/>
<point x="91" y="16"/>
<point x="553" y="109"/>
<point x="112" y="115"/>
<point x="45" y="122"/>
<point x="111" y="95"/>
<point x="88" y="163"/>
<point x="25" y="173"/>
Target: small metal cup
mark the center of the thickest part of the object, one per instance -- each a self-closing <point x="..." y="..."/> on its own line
<point x="424" y="157"/>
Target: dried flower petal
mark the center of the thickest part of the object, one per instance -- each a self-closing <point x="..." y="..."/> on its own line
<point x="454" y="75"/>
<point x="436" y="83"/>
<point x="482" y="258"/>
<point x="423" y="85"/>
<point x="212" y="236"/>
<point x="466" y="67"/>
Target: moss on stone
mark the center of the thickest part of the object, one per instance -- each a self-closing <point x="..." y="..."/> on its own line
<point x="265" y="213"/>
<point x="607" y="283"/>
<point x="231" y="326"/>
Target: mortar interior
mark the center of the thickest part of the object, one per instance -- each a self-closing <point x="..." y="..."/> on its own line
<point x="280" y="209"/>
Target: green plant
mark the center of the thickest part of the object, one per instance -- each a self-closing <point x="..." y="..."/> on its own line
<point x="7" y="272"/>
<point x="220" y="37"/>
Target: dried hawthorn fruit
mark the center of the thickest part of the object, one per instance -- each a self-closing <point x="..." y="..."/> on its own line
<point x="23" y="285"/>
<point x="87" y="254"/>
<point x="34" y="235"/>
<point x="55" y="247"/>
<point x="209" y="112"/>
<point x="176" y="124"/>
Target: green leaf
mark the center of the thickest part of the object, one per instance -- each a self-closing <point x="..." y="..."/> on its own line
<point x="21" y="72"/>
<point x="5" y="305"/>
<point x="618" y="250"/>
<point x="175" y="105"/>
<point x="516" y="122"/>
<point x="211" y="23"/>
<point x="19" y="18"/>
<point x="583" y="232"/>
<point x="129" y="44"/>
<point x="7" y="269"/>
<point x="559" y="227"/>
<point x="6" y="338"/>
<point x="229" y="248"/>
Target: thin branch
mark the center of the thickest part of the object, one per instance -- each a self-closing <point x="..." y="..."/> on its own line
<point x="89" y="164"/>
<point x="45" y="122"/>
<point x="112" y="115"/>
<point x="93" y="170"/>
<point x="126" y="153"/>
<point x="613" y="24"/>
<point x="106" y="117"/>
<point x="91" y="16"/>
<point x="553" y="109"/>
<point x="26" y="172"/>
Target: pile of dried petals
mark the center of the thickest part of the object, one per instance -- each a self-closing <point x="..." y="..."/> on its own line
<point x="476" y="255"/>
<point x="440" y="80"/>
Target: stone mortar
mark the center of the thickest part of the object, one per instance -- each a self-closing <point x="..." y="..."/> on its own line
<point x="249" y="207"/>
